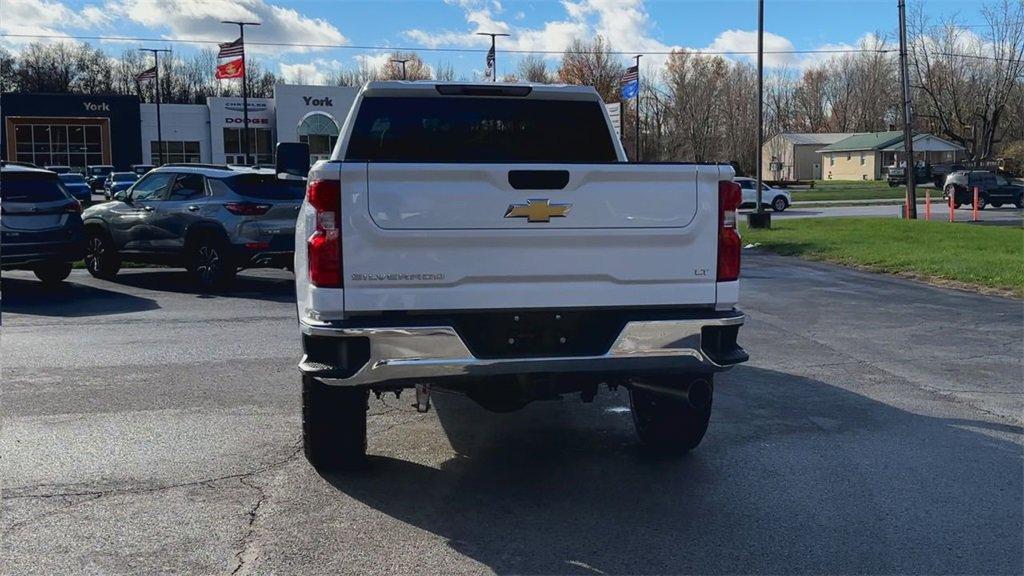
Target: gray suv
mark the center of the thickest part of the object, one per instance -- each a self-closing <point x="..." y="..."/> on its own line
<point x="212" y="220"/>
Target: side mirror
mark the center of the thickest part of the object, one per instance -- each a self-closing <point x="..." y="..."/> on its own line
<point x="121" y="195"/>
<point x="292" y="159"/>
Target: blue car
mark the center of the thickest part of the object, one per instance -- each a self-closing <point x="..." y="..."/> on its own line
<point x="41" y="227"/>
<point x="76" y="185"/>
<point x="118" y="181"/>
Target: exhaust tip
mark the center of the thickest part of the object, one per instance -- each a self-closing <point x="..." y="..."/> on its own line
<point x="698" y="394"/>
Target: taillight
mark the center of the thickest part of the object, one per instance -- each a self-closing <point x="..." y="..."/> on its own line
<point x="73" y="207"/>
<point x="729" y="244"/>
<point x="247" y="208"/>
<point x="324" y="245"/>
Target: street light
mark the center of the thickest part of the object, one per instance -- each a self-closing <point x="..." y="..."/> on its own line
<point x="402" y="62"/>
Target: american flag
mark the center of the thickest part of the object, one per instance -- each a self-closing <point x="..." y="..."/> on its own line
<point x="632" y="75"/>
<point x="490" y="61"/>
<point x="231" y="49"/>
<point x="149" y="74"/>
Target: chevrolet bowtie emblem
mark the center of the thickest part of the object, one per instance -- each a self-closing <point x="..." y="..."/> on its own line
<point x="537" y="211"/>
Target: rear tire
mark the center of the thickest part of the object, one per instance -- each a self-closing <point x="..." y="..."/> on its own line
<point x="211" y="264"/>
<point x="670" y="424"/>
<point x="333" y="425"/>
<point x="101" y="257"/>
<point x="997" y="204"/>
<point x="53" y="273"/>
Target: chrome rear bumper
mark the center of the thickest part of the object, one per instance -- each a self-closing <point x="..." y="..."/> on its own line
<point x="435" y="353"/>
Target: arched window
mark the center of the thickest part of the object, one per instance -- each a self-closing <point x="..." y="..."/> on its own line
<point x="320" y="132"/>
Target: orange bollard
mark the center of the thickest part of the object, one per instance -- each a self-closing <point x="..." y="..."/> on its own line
<point x="974" y="205"/>
<point x="928" y="205"/>
<point x="952" y="215"/>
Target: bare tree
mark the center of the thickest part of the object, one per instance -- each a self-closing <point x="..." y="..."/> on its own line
<point x="415" y="67"/>
<point x="966" y="82"/>
<point x="357" y="77"/>
<point x="534" y="68"/>
<point x="592" y="64"/>
<point x="695" y="84"/>
<point x="444" y="72"/>
<point x="8" y="79"/>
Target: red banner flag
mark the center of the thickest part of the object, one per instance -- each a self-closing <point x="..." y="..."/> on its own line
<point x="231" y="69"/>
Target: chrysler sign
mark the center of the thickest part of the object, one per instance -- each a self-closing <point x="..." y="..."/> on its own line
<point x="253" y="106"/>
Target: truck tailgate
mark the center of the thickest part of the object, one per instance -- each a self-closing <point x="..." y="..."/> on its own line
<point x="477" y="196"/>
<point x="436" y="236"/>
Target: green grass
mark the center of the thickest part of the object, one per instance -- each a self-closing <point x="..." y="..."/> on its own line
<point x="847" y="190"/>
<point x="982" y="256"/>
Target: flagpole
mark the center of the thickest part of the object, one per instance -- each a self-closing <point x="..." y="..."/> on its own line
<point x="636" y="150"/>
<point x="159" y="130"/>
<point x="493" y="35"/>
<point x="245" y="88"/>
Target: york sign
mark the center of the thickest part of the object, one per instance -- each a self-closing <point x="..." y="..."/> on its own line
<point x="310" y="101"/>
<point x="96" y="107"/>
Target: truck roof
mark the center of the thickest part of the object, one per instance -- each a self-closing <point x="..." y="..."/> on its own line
<point x="493" y="89"/>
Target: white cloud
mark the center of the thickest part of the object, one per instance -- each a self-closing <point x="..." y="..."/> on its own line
<point x="372" y="61"/>
<point x="317" y="72"/>
<point x="739" y="41"/>
<point x="201" y="19"/>
<point x="40" y="17"/>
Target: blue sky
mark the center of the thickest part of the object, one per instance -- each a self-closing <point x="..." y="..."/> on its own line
<point x="657" y="25"/>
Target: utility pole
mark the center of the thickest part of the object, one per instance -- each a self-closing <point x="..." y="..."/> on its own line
<point x="908" y="118"/>
<point x="636" y="152"/>
<point x="402" y="62"/>
<point x="159" y="131"/>
<point x="493" y="54"/>
<point x="245" y="87"/>
<point x="760" y="218"/>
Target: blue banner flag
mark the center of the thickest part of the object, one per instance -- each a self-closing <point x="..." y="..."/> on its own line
<point x="630" y="83"/>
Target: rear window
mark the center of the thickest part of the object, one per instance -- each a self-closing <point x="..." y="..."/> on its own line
<point x="29" y="187"/>
<point x="983" y="178"/>
<point x="72" y="178"/>
<point x="265" y="187"/>
<point x="474" y="129"/>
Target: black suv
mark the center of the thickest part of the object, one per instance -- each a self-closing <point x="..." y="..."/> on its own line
<point x="212" y="220"/>
<point x="41" y="223"/>
<point x="992" y="189"/>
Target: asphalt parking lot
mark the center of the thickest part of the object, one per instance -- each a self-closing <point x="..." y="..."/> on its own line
<point x="148" y="429"/>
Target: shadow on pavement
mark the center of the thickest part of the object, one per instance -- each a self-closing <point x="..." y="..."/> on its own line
<point x="278" y="288"/>
<point x="795" y="476"/>
<point x="68" y="299"/>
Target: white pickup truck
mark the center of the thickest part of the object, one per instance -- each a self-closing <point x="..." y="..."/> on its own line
<point x="493" y="240"/>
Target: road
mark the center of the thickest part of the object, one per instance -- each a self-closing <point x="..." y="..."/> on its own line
<point x="1004" y="215"/>
<point x="151" y="430"/>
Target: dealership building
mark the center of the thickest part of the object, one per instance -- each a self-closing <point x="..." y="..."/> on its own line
<point x="73" y="130"/>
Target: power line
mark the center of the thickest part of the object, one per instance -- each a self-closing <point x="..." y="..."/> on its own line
<point x="484" y="50"/>
<point x="438" y="49"/>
